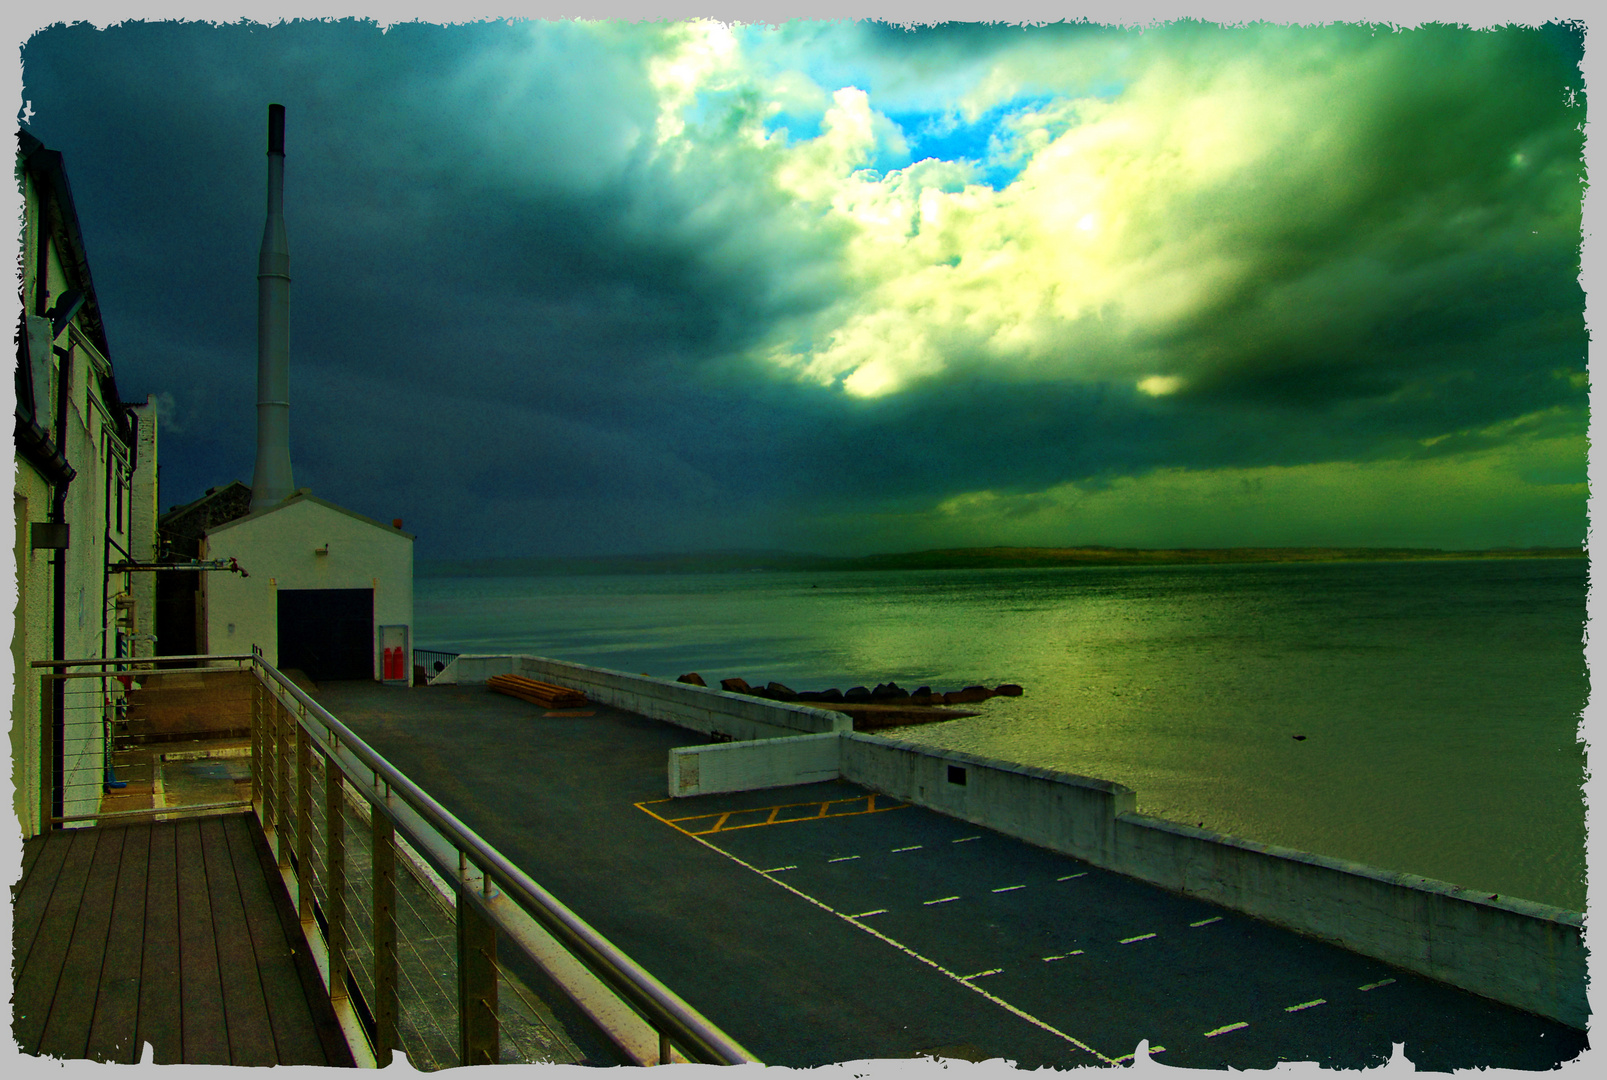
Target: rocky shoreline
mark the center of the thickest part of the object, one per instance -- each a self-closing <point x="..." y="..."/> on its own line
<point x="885" y="705"/>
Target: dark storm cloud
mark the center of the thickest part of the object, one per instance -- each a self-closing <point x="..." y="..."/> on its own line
<point x="566" y="287"/>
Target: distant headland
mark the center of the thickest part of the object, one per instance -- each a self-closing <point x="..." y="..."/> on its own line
<point x="985" y="558"/>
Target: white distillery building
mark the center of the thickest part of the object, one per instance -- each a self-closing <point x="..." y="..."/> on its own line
<point x="80" y="455"/>
<point x="328" y="591"/>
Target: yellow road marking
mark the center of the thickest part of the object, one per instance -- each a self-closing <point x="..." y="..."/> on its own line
<point x="722" y="819"/>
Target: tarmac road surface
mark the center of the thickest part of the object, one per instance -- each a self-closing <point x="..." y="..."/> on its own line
<point x="825" y="923"/>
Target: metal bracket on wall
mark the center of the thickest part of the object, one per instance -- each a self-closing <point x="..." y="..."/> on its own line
<point x="48" y="535"/>
<point x="194" y="564"/>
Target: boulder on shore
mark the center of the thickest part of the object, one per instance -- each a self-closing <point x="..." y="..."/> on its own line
<point x="692" y="678"/>
<point x="1008" y="689"/>
<point x="968" y="695"/>
<point x="781" y="693"/>
<point x="856" y="693"/>
<point x="736" y="686"/>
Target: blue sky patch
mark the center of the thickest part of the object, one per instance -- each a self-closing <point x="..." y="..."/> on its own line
<point x="951" y="138"/>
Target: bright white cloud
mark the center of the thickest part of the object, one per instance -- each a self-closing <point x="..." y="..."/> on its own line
<point x="1160" y="186"/>
<point x="702" y="55"/>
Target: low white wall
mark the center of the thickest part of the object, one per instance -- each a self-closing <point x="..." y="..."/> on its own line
<point x="698" y="708"/>
<point x="1067" y="813"/>
<point x="472" y="670"/>
<point x="754" y="765"/>
<point x="1527" y="955"/>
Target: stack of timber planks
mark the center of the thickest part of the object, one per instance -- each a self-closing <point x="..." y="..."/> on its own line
<point x="537" y="693"/>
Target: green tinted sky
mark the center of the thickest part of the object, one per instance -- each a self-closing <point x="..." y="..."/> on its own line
<point x="593" y="287"/>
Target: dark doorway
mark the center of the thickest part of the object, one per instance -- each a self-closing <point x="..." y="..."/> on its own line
<point x="176" y="592"/>
<point x="328" y="633"/>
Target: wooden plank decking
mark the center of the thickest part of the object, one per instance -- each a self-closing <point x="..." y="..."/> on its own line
<point x="178" y="934"/>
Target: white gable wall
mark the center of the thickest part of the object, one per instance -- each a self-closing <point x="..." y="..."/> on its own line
<point x="277" y="548"/>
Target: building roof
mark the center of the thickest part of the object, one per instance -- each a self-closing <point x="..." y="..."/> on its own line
<point x="301" y="495"/>
<point x="50" y="177"/>
<point x="218" y="505"/>
<point x="60" y="225"/>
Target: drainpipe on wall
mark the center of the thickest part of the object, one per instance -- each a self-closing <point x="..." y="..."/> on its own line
<point x="58" y="515"/>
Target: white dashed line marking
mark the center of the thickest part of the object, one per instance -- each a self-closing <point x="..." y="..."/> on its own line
<point x="1140" y="937"/>
<point x="853" y="920"/>
<point x="912" y="847"/>
<point x="1306" y="1005"/>
<point x="868" y="914"/>
<point x="843" y="858"/>
<point x="981" y="974"/>
<point x="1207" y="922"/>
<point x="1010" y="888"/>
<point x="1068" y="877"/>
<point x="1223" y="1030"/>
<point x="1062" y="956"/>
<point x="944" y="900"/>
<point x="963" y="839"/>
<point x="777" y="869"/>
<point x="1376" y="985"/>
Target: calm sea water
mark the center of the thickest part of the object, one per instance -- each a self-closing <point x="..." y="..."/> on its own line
<point x="1440" y="700"/>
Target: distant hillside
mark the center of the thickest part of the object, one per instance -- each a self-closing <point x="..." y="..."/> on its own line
<point x="984" y="558"/>
<point x="948" y="559"/>
<point x="708" y="562"/>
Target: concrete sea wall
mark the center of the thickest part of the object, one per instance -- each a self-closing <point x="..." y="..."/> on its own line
<point x="1071" y="814"/>
<point x="1524" y="954"/>
<point x="1527" y="955"/>
<point x="1516" y="951"/>
<point x="699" y="708"/>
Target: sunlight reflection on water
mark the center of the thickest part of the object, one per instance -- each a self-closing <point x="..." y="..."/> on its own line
<point x="1439" y="701"/>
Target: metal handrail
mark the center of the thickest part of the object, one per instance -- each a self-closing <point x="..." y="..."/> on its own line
<point x="663" y="1007"/>
<point x="101" y="670"/>
<point x="137" y="672"/>
<point x="103" y="660"/>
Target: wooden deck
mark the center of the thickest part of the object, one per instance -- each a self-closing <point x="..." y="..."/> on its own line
<point x="178" y="934"/>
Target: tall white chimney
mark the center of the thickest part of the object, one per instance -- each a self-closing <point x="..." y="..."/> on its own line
<point x="272" y="481"/>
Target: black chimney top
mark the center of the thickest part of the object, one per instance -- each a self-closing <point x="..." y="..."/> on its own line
<point x="276" y="129"/>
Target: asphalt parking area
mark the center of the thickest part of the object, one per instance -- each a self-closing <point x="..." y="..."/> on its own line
<point x="1094" y="959"/>
<point x="780" y="961"/>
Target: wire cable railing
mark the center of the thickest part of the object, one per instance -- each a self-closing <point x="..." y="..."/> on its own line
<point x="403" y="907"/>
<point x="109" y="720"/>
<point x="404" y="969"/>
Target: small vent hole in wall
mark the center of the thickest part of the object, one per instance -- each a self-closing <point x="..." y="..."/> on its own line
<point x="957" y="775"/>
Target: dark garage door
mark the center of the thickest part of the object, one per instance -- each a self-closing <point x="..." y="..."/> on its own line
<point x="328" y="633"/>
